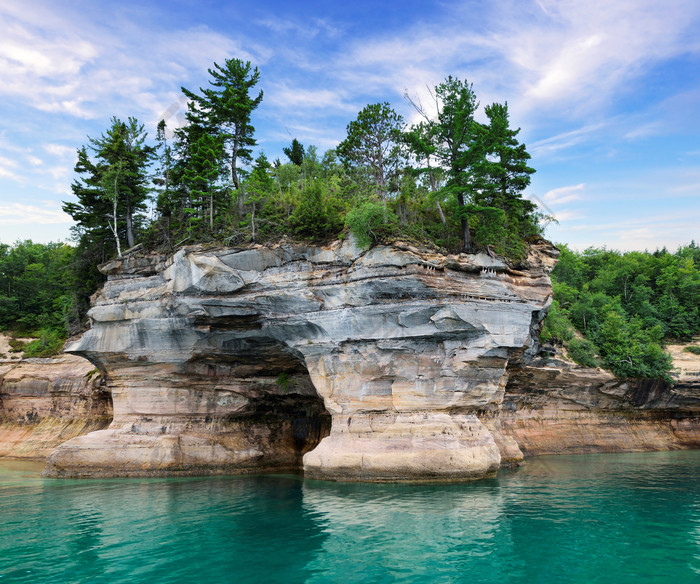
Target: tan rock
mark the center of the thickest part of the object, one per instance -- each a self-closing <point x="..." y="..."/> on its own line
<point x="44" y="402"/>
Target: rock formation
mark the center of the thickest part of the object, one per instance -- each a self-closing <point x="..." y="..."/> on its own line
<point x="44" y="402"/>
<point x="552" y="406"/>
<point x="387" y="364"/>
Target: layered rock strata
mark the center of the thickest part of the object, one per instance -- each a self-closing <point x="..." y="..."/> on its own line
<point x="387" y="364"/>
<point x="552" y="406"/>
<point x="45" y="402"/>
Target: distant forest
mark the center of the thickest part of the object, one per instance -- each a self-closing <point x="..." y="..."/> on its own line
<point x="615" y="310"/>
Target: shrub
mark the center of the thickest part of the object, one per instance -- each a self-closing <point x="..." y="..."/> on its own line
<point x="557" y="327"/>
<point x="582" y="351"/>
<point x="49" y="343"/>
<point x="16" y="346"/>
<point x="370" y="222"/>
<point x="694" y="349"/>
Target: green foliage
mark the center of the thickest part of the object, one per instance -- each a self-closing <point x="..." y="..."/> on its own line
<point x="201" y="176"/>
<point x="374" y="147"/>
<point x="318" y="214"/>
<point x="295" y="152"/>
<point x="16" y="345"/>
<point x="370" y="222"/>
<point x="112" y="188"/>
<point x="485" y="169"/>
<point x="583" y="352"/>
<point x="283" y="382"/>
<point x="694" y="349"/>
<point x="630" y="351"/>
<point x="37" y="287"/>
<point x="49" y="343"/>
<point x="557" y="328"/>
<point x="225" y="109"/>
<point x="626" y="304"/>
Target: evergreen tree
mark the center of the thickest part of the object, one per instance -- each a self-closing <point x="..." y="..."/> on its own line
<point x="201" y="175"/>
<point x="505" y="218"/>
<point x="115" y="184"/>
<point x="259" y="186"/>
<point x="374" y="143"/>
<point x="503" y="173"/>
<point x="295" y="152"/>
<point x="455" y="141"/>
<point x="225" y="109"/>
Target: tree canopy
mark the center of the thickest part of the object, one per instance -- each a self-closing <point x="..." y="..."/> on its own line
<point x="616" y="309"/>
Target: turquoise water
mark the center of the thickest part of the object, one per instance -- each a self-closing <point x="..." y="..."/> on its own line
<point x="603" y="518"/>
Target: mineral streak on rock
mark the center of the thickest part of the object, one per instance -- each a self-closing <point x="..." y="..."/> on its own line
<point x="381" y="365"/>
<point x="44" y="402"/>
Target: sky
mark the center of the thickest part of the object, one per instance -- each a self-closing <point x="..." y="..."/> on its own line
<point x="606" y="92"/>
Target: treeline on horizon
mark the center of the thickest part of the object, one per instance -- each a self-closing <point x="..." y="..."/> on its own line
<point x="616" y="310"/>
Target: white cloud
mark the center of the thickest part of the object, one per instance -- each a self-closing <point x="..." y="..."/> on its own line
<point x="32" y="214"/>
<point x="567" y="215"/>
<point x="579" y="53"/>
<point x="288" y="97"/>
<point x="564" y="194"/>
<point x="564" y="140"/>
<point x="60" y="150"/>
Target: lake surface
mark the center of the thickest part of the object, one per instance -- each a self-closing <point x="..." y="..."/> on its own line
<point x="613" y="518"/>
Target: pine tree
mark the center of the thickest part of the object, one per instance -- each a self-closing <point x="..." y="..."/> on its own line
<point x="115" y="185"/>
<point x="455" y="139"/>
<point x="374" y="144"/>
<point x="295" y="152"/>
<point x="225" y="109"/>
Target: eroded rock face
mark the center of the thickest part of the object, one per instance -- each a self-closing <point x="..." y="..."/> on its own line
<point x="243" y="360"/>
<point x="44" y="402"/>
<point x="552" y="406"/>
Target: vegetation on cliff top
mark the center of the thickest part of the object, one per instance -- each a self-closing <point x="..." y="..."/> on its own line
<point x="448" y="181"/>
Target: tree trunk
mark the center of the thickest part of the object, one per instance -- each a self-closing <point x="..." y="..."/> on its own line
<point x="466" y="236"/>
<point x="129" y="223"/>
<point x="211" y="211"/>
<point x="234" y="171"/>
<point x="442" y="215"/>
<point x="114" y="227"/>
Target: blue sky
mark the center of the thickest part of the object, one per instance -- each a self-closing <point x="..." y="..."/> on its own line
<point x="607" y="92"/>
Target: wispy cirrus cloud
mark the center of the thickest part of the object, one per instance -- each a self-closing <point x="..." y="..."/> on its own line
<point x="563" y="195"/>
<point x="18" y="213"/>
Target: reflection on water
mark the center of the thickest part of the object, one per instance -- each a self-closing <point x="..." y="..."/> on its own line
<point x="604" y="518"/>
<point x="408" y="533"/>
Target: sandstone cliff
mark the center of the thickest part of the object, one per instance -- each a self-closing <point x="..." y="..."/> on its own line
<point x="387" y="364"/>
<point x="44" y="402"/>
<point x="552" y="406"/>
